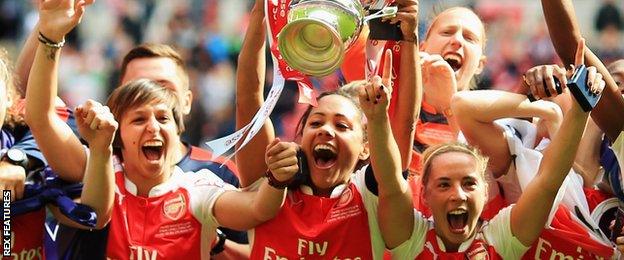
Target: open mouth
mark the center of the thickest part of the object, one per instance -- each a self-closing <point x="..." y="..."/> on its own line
<point x="458" y="220"/>
<point x="454" y="60"/>
<point x="153" y="150"/>
<point x="324" y="156"/>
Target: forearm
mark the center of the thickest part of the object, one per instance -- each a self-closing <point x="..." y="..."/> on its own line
<point x="395" y="201"/>
<point x="486" y="106"/>
<point x="266" y="203"/>
<point x="587" y="160"/>
<point x="48" y="129"/>
<point x="25" y="60"/>
<point x="385" y="158"/>
<point x="531" y="212"/>
<point x="565" y="35"/>
<point x="408" y="101"/>
<point x="250" y="76"/>
<point x="99" y="184"/>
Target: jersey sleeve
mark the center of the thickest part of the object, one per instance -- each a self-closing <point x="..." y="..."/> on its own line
<point x="204" y="189"/>
<point x="408" y="249"/>
<point x="618" y="149"/>
<point x="498" y="234"/>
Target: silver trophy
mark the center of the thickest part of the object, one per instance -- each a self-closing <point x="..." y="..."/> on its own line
<point x="320" y="31"/>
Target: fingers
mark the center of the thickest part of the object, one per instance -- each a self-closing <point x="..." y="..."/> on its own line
<point x="387" y="70"/>
<point x="19" y="192"/>
<point x="544" y="81"/>
<point x="95" y="116"/>
<point x="579" y="57"/>
<point x="548" y="81"/>
<point x="282" y="158"/>
<point x="595" y="80"/>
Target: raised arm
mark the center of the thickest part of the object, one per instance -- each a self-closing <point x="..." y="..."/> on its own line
<point x="565" y="34"/>
<point x="25" y="60"/>
<point x="97" y="126"/>
<point x="55" y="138"/>
<point x="395" y="212"/>
<point x="531" y="211"/>
<point x="245" y="210"/>
<point x="409" y="91"/>
<point x="250" y="75"/>
<point x="477" y="110"/>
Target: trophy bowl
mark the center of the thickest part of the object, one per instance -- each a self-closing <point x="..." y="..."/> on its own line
<point x="318" y="33"/>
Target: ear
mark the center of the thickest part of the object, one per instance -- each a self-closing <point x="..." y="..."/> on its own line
<point x="187" y="100"/>
<point x="365" y="153"/>
<point x="481" y="65"/>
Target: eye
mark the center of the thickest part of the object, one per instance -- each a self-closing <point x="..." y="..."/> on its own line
<point x="443" y="185"/>
<point x="137" y="120"/>
<point x="471" y="38"/>
<point x="342" y="126"/>
<point x="470" y="184"/>
<point x="163" y="119"/>
<point x="315" y="124"/>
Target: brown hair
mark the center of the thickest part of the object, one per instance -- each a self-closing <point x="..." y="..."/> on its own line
<point x="140" y="92"/>
<point x="13" y="116"/>
<point x="154" y="50"/>
<point x="434" y="151"/>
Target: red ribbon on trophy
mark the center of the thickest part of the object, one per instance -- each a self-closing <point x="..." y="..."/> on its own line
<point x="277" y="18"/>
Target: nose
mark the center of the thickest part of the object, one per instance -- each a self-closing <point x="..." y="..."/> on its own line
<point x="457" y="40"/>
<point x="153" y="125"/>
<point x="326" y="130"/>
<point x="458" y="194"/>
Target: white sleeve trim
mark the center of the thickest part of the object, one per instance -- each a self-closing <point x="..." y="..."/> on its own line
<point x="497" y="232"/>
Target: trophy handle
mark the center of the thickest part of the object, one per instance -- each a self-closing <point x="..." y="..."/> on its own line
<point x="388" y="11"/>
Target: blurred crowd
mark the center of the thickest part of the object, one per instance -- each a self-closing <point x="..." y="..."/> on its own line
<point x="209" y="32"/>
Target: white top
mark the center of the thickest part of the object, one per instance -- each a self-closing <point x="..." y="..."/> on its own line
<point x="496" y="233"/>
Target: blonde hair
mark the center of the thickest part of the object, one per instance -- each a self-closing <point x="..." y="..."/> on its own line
<point x="12" y="118"/>
<point x="436" y="150"/>
<point x="473" y="82"/>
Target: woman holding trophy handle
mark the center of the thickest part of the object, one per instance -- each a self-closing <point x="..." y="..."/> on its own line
<point x="334" y="209"/>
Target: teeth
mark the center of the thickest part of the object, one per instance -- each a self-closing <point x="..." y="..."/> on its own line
<point x="153" y="143"/>
<point x="457" y="212"/>
<point x="323" y="147"/>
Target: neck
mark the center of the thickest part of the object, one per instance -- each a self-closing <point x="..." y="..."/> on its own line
<point x="145" y="182"/>
<point x="181" y="150"/>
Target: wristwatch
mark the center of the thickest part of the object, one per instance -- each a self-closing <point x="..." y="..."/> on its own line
<point x="16" y="157"/>
<point x="220" y="245"/>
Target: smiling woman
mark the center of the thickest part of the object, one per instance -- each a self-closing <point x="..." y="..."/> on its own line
<point x="130" y="176"/>
<point x="350" y="196"/>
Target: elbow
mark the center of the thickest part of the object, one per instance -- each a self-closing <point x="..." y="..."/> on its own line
<point x="460" y="103"/>
<point x="103" y="217"/>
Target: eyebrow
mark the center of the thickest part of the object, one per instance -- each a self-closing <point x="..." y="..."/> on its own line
<point x="323" y="114"/>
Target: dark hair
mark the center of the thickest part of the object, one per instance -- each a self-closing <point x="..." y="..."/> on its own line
<point x="140" y="92"/>
<point x="154" y="50"/>
<point x="347" y="91"/>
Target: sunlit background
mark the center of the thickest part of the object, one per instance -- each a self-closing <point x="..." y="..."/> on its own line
<point x="209" y="34"/>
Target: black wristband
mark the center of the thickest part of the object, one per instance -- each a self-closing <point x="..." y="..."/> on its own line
<point x="276" y="183"/>
<point x="220" y="245"/>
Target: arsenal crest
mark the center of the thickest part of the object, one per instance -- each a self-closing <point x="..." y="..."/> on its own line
<point x="174" y="208"/>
